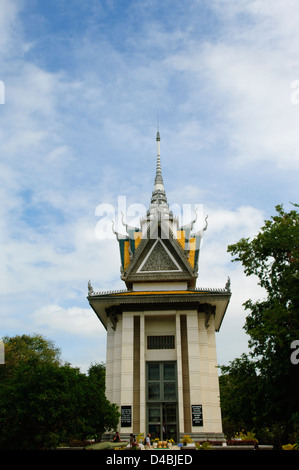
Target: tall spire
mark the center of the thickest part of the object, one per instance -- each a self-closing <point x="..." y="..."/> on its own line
<point x="158" y="179"/>
<point x="159" y="196"/>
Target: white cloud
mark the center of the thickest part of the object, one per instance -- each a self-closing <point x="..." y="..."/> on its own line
<point x="262" y="123"/>
<point x="8" y="18"/>
<point x="226" y="227"/>
<point x="81" y="133"/>
<point x="244" y="79"/>
<point x="78" y="329"/>
<point x="231" y="225"/>
<point x="66" y="256"/>
<point x="72" y="320"/>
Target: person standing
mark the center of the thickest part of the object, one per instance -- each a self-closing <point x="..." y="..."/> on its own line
<point x="148" y="440"/>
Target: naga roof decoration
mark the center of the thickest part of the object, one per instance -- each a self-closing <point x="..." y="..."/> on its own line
<point x="177" y="252"/>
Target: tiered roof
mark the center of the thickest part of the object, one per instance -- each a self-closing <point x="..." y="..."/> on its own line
<point x="160" y="249"/>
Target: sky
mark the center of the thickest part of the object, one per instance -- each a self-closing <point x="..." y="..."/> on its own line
<point x="83" y="87"/>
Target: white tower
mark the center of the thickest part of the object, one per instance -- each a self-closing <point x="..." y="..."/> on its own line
<point x="161" y="366"/>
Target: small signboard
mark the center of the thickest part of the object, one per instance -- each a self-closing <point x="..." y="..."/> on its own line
<point x="197" y="418"/>
<point x="126" y="416"/>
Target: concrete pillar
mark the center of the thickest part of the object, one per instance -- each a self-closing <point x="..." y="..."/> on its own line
<point x="126" y="372"/>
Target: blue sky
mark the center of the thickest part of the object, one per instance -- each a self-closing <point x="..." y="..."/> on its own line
<point x="84" y="84"/>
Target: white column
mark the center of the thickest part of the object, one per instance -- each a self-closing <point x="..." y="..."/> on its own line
<point x="209" y="375"/>
<point x="216" y="420"/>
<point x="194" y="359"/>
<point x="179" y="373"/>
<point x="117" y="362"/>
<point x="109" y="376"/>
<point x="127" y="351"/>
<point x="142" y="377"/>
<point x="204" y="372"/>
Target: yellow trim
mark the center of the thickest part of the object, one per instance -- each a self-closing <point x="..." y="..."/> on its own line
<point x="192" y="251"/>
<point x="126" y="254"/>
<point x="181" y="238"/>
<point x="138" y="237"/>
<point x="159" y="292"/>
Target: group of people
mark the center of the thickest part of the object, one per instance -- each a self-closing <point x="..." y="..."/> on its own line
<point x="147" y="442"/>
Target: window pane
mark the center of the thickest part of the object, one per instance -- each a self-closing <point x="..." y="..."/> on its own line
<point x="170" y="413"/>
<point x="169" y="391"/>
<point x="154" y="429"/>
<point x="154" y="413"/>
<point x="169" y="372"/>
<point x="153" y="390"/>
<point x="153" y="372"/>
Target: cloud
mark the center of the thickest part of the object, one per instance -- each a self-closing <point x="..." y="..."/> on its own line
<point x="78" y="329"/>
<point x="8" y="18"/>
<point x="263" y="125"/>
<point x="72" y="320"/>
<point x="243" y="79"/>
<point x="67" y="255"/>
<point x="78" y="129"/>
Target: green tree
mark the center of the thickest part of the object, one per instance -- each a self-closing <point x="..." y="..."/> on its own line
<point x="102" y="415"/>
<point x="273" y="323"/>
<point x="40" y="406"/>
<point x="97" y="373"/>
<point x="240" y="396"/>
<point x="44" y="402"/>
<point x="22" y="348"/>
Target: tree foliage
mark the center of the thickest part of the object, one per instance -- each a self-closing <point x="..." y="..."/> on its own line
<point x="20" y="349"/>
<point x="273" y="322"/>
<point x="44" y="402"/>
<point x="239" y="385"/>
<point x="273" y="256"/>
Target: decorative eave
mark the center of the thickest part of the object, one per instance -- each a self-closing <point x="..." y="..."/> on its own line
<point x="210" y="301"/>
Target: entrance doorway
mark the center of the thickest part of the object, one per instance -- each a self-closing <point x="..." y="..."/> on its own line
<point x="162" y="421"/>
<point x="162" y="409"/>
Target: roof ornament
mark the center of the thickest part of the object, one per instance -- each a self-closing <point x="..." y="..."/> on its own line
<point x="190" y="225"/>
<point x="90" y="288"/>
<point x="118" y="235"/>
<point x="200" y="232"/>
<point x="227" y="285"/>
<point x="129" y="228"/>
<point x="206" y="226"/>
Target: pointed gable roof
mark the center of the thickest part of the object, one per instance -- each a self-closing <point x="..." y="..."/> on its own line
<point x="159" y="250"/>
<point x="159" y="257"/>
